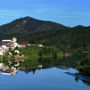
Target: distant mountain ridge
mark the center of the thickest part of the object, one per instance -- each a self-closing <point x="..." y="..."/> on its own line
<point x="28" y="24"/>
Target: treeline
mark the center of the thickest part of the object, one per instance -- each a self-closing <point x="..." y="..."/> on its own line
<point x="77" y="37"/>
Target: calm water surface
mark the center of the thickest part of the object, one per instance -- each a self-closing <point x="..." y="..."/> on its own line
<point x="45" y="79"/>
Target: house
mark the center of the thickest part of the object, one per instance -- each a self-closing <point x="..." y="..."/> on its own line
<point x="10" y="43"/>
<point x="40" y="45"/>
<point x="1" y="65"/>
<point x="6" y="42"/>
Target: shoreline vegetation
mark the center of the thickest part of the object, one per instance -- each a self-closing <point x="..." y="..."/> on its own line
<point x="34" y="56"/>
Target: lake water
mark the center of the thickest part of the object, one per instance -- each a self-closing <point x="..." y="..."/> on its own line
<point x="53" y="78"/>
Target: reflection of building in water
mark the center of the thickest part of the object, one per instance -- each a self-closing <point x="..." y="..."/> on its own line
<point x="1" y="65"/>
<point x="13" y="71"/>
<point x="6" y="70"/>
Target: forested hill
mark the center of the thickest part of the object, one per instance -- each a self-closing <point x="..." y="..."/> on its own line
<point x="46" y="32"/>
<point x="74" y="37"/>
<point x="28" y="25"/>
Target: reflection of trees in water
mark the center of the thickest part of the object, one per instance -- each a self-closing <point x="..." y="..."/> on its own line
<point x="52" y="62"/>
<point x="49" y="57"/>
<point x="76" y="79"/>
<point x="32" y="64"/>
<point x="86" y="82"/>
<point x="49" y="63"/>
<point x="28" y="70"/>
<point x="84" y="79"/>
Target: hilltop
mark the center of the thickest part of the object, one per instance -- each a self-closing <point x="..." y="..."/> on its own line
<point x="28" y="25"/>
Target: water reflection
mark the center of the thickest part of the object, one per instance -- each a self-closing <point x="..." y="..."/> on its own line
<point x="75" y="73"/>
<point x="84" y="79"/>
<point x="12" y="68"/>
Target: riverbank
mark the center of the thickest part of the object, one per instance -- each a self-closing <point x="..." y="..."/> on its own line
<point x="35" y="56"/>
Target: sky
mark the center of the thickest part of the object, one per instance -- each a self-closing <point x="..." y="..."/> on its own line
<point x="66" y="12"/>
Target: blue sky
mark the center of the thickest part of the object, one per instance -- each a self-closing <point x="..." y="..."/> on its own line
<point x="67" y="12"/>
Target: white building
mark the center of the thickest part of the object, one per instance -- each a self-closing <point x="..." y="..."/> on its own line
<point x="40" y="45"/>
<point x="11" y="43"/>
